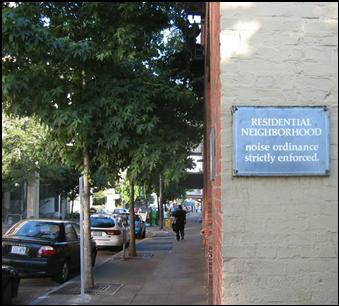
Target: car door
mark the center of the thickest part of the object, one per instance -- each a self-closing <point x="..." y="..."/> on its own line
<point x="73" y="244"/>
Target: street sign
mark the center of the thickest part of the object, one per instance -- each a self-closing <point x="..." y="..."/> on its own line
<point x="280" y="141"/>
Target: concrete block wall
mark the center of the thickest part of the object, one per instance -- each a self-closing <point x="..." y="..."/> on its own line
<point x="279" y="234"/>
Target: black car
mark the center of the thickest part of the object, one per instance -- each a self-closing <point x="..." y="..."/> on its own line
<point x="40" y="247"/>
<point x="10" y="284"/>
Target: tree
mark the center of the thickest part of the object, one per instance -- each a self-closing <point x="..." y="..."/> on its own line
<point x="27" y="148"/>
<point x="165" y="153"/>
<point x="132" y="249"/>
<point x="179" y="112"/>
<point x="123" y="188"/>
<point x="24" y="148"/>
<point x="89" y="71"/>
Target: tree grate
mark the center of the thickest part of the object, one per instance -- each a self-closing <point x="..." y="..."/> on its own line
<point x="99" y="289"/>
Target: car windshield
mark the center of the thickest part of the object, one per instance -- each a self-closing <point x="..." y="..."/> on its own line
<point x="118" y="211"/>
<point x="102" y="222"/>
<point x="36" y="229"/>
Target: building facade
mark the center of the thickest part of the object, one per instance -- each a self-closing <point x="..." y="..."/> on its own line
<point x="273" y="238"/>
<point x="32" y="199"/>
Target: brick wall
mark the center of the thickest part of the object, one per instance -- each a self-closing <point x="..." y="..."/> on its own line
<point x="213" y="215"/>
<point x="279" y="234"/>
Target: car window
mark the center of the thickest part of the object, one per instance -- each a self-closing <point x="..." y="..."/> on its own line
<point x="70" y="233"/>
<point x="102" y="222"/>
<point x="36" y="229"/>
<point x="118" y="211"/>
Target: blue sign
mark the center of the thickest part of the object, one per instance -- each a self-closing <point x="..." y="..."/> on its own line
<point x="280" y="141"/>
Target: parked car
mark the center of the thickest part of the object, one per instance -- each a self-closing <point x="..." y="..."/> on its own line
<point x="10" y="284"/>
<point x="44" y="247"/>
<point x="139" y="227"/>
<point x="121" y="214"/>
<point x="107" y="231"/>
<point x="120" y="211"/>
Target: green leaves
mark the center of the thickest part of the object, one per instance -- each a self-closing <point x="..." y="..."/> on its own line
<point x="99" y="76"/>
<point x="24" y="148"/>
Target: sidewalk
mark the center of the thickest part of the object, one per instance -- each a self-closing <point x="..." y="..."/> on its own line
<point x="166" y="272"/>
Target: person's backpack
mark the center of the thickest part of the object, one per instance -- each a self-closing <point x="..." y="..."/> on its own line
<point x="174" y="224"/>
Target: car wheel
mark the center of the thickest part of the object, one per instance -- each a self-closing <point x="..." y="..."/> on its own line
<point x="63" y="273"/>
<point x="7" y="295"/>
<point x="15" y="288"/>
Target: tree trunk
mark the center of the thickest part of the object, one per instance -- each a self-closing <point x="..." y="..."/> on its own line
<point x="89" y="283"/>
<point x="72" y="208"/>
<point x="131" y="249"/>
<point x="145" y="196"/>
<point x="158" y="213"/>
<point x="161" y="212"/>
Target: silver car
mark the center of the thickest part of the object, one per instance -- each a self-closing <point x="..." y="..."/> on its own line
<point x="108" y="232"/>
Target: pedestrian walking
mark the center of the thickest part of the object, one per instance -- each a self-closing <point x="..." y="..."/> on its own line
<point x="180" y="221"/>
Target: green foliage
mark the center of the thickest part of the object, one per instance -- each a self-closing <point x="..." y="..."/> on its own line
<point x="27" y="147"/>
<point x="24" y="149"/>
<point x="123" y="188"/>
<point x="173" y="190"/>
<point x="65" y="180"/>
<point x="99" y="198"/>
<point x="80" y="67"/>
<point x="102" y="78"/>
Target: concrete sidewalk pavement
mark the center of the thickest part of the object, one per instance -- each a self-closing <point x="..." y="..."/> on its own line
<point x="165" y="272"/>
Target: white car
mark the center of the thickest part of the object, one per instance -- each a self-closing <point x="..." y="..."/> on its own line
<point x="107" y="231"/>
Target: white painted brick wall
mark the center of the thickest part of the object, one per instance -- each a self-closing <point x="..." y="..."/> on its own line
<point x="280" y="235"/>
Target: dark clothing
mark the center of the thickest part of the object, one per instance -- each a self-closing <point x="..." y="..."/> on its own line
<point x="180" y="218"/>
<point x="180" y="232"/>
<point x="180" y="221"/>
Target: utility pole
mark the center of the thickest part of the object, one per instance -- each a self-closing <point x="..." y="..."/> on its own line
<point x="161" y="213"/>
<point x="83" y="298"/>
